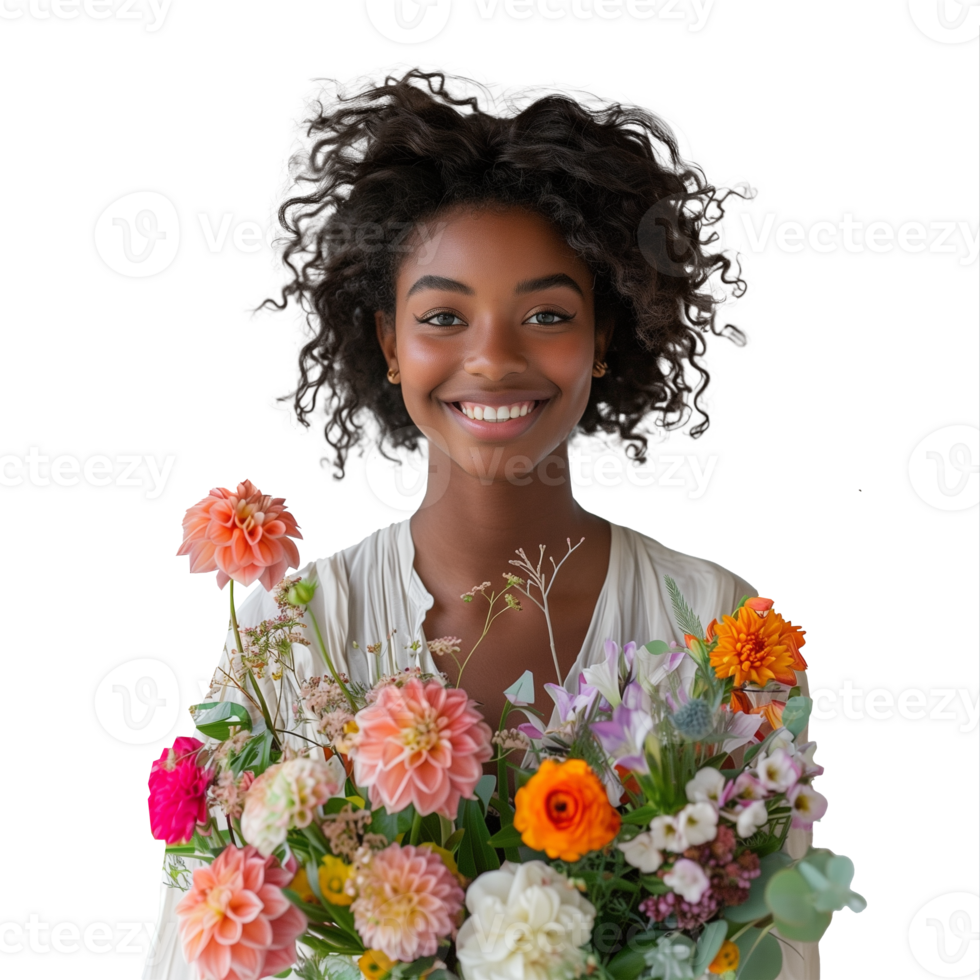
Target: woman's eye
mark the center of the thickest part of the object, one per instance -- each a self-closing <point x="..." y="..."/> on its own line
<point x="443" y="320"/>
<point x="547" y="318"/>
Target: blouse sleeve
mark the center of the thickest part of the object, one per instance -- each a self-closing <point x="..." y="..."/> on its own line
<point x="165" y="960"/>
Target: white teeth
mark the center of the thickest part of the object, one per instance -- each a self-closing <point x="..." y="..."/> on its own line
<point x="491" y="413"/>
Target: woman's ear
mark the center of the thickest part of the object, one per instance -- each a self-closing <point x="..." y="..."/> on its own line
<point x="604" y="325"/>
<point x="385" y="330"/>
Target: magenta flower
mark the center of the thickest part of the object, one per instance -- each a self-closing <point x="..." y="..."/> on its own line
<point x="178" y="792"/>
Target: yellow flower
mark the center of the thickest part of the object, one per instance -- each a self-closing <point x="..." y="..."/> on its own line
<point x="375" y="965"/>
<point x="301" y="885"/>
<point x="727" y="958"/>
<point x="333" y="875"/>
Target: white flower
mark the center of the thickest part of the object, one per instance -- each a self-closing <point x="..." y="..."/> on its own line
<point x="527" y="922"/>
<point x="706" y="787"/>
<point x="699" y="823"/>
<point x="604" y="677"/>
<point x="641" y="853"/>
<point x="782" y="738"/>
<point x="287" y="795"/>
<point x="687" y="879"/>
<point x="778" y="771"/>
<point x="751" y="819"/>
<point x="667" y="834"/>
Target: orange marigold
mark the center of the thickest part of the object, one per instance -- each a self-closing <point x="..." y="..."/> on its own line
<point x="563" y="810"/>
<point x="756" y="649"/>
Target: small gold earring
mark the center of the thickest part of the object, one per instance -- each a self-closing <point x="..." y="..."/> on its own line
<point x="393" y="375"/>
<point x="599" y="368"/>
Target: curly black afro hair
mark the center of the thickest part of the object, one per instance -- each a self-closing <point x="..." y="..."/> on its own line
<point x="609" y="178"/>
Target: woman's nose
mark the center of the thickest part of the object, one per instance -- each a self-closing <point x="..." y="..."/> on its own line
<point x="494" y="350"/>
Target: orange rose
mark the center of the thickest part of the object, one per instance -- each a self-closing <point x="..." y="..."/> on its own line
<point x="563" y="810"/>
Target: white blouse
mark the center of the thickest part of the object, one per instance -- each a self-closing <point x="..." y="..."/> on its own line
<point x="370" y="593"/>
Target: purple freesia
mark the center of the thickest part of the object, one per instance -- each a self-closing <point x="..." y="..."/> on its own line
<point x="624" y="735"/>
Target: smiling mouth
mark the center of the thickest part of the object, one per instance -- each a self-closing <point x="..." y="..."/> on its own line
<point x="496" y="413"/>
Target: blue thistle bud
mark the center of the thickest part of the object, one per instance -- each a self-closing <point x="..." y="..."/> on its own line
<point x="693" y="719"/>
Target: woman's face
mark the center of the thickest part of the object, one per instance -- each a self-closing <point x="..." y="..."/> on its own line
<point x="494" y="340"/>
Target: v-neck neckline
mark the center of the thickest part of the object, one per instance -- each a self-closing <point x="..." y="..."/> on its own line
<point x="422" y="600"/>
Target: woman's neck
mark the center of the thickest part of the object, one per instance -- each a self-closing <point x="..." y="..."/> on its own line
<point x="469" y="526"/>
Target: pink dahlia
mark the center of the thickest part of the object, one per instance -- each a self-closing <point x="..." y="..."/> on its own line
<point x="235" y="923"/>
<point x="244" y="534"/>
<point x="423" y="744"/>
<point x="407" y="900"/>
<point x="178" y="792"/>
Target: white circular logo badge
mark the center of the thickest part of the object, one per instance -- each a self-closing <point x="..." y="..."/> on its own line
<point x="138" y="701"/>
<point x="408" y="21"/>
<point x="944" y="935"/>
<point x="138" y="235"/>
<point x="398" y="469"/>
<point x="947" y="21"/>
<point x="944" y="468"/>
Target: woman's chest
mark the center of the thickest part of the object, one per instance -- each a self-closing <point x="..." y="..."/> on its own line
<point x="498" y="642"/>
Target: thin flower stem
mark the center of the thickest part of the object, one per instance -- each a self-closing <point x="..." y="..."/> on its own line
<point x="263" y="707"/>
<point x="416" y="828"/>
<point x="329" y="661"/>
<point x="538" y="578"/>
<point x="491" y="616"/>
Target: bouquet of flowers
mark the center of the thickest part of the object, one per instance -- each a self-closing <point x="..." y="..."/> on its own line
<point x="344" y="829"/>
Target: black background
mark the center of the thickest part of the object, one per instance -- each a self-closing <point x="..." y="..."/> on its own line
<point x="859" y="357"/>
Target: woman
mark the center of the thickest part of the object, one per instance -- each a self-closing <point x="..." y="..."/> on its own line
<point x="493" y="284"/>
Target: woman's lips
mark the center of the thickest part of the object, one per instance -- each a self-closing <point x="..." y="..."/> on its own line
<point x="527" y="413"/>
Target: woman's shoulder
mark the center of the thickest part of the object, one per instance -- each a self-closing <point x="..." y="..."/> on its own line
<point x="357" y="563"/>
<point x="706" y="585"/>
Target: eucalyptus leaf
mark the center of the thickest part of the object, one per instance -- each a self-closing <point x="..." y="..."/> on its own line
<point x="760" y="957"/>
<point x="709" y="942"/>
<point x="791" y="901"/>
<point x="656" y="647"/>
<point x="755" y="907"/>
<point x="796" y="714"/>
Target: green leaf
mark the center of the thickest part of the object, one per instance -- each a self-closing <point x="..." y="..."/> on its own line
<point x="485" y="788"/>
<point x="391" y="824"/>
<point x="506" y="837"/>
<point x="832" y="885"/>
<point x="641" y="815"/>
<point x="709" y="942"/>
<point x="760" y="957"/>
<point x="656" y="647"/>
<point x="476" y="853"/>
<point x="791" y="901"/>
<point x="417" y="967"/>
<point x="256" y="756"/>
<point x="453" y="841"/>
<point x="216" y="718"/>
<point x="755" y="907"/>
<point x="687" y="620"/>
<point x="796" y="714"/>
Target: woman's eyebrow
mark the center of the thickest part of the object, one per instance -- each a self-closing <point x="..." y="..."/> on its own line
<point x="547" y="282"/>
<point x="439" y="282"/>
